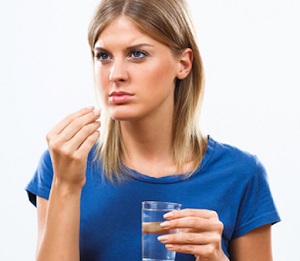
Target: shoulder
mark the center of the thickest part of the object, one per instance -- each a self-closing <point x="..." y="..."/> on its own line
<point x="232" y="159"/>
<point x="229" y="152"/>
<point x="45" y="161"/>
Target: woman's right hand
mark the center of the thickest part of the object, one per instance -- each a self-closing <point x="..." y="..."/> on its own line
<point x="70" y="142"/>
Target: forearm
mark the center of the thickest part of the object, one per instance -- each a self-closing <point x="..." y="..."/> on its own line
<point x="60" y="238"/>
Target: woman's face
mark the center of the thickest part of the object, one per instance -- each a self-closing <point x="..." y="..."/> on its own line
<point x="134" y="73"/>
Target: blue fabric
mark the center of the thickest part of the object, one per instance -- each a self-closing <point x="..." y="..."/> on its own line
<point x="229" y="181"/>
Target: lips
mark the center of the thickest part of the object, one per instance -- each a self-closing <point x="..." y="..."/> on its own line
<point x="119" y="97"/>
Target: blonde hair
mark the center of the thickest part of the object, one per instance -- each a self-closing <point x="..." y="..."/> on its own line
<point x="169" y="22"/>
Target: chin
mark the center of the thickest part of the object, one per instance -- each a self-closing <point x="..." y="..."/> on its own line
<point x="126" y="113"/>
<point x="122" y="116"/>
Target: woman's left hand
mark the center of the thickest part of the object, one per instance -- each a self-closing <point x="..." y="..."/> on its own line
<point x="200" y="234"/>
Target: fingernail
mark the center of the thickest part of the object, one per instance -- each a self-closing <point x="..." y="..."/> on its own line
<point x="165" y="224"/>
<point x="163" y="239"/>
<point x="168" y="215"/>
<point x="97" y="112"/>
<point x="169" y="246"/>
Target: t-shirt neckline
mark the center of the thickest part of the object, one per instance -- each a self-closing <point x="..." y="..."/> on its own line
<point x="176" y="177"/>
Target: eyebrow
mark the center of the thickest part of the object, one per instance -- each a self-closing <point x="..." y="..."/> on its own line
<point x="128" y="48"/>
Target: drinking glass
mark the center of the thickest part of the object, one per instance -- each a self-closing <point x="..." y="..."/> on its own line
<point x="152" y="216"/>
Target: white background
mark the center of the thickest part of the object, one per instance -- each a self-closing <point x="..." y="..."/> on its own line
<point x="251" y="55"/>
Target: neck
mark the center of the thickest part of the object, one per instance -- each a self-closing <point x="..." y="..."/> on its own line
<point x="148" y="146"/>
<point x="147" y="138"/>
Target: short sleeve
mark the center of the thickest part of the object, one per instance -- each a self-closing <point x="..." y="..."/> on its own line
<point x="40" y="184"/>
<point x="257" y="207"/>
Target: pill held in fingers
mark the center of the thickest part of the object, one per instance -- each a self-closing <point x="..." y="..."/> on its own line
<point x="97" y="112"/>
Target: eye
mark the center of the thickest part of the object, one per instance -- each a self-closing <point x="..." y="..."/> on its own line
<point x="102" y="56"/>
<point x="137" y="54"/>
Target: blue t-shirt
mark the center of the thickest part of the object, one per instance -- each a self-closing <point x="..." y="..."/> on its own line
<point x="229" y="181"/>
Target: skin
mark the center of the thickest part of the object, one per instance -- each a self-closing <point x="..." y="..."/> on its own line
<point x="200" y="234"/>
<point x="69" y="143"/>
<point x="129" y="64"/>
<point x="132" y="62"/>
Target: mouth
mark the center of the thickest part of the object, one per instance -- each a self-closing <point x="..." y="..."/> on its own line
<point x="119" y="97"/>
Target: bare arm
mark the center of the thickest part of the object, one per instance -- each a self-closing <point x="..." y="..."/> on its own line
<point x="255" y="245"/>
<point x="58" y="226"/>
<point x="59" y="218"/>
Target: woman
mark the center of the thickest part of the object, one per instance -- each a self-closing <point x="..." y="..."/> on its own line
<point x="149" y="76"/>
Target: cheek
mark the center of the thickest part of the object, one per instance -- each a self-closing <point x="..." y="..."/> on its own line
<point x="162" y="75"/>
<point x="100" y="84"/>
<point x="100" y="77"/>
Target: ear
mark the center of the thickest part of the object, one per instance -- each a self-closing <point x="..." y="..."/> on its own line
<point x="185" y="63"/>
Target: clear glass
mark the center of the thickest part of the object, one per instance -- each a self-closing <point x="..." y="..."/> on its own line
<point x="152" y="216"/>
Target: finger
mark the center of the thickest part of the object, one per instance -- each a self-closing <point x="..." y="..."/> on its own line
<point x="67" y="120"/>
<point x="190" y="238"/>
<point x="208" y="251"/>
<point x="79" y="139"/>
<point x="188" y="212"/>
<point x="194" y="224"/>
<point x="77" y="124"/>
<point x="87" y="145"/>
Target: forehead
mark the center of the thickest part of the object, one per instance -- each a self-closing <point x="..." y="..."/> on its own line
<point x="122" y="30"/>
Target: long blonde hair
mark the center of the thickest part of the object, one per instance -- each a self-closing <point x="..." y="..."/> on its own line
<point x="169" y="22"/>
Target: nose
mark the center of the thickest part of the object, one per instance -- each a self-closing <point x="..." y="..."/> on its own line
<point x="118" y="72"/>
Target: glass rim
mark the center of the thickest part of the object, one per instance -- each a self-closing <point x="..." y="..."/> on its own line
<point x="161" y="205"/>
